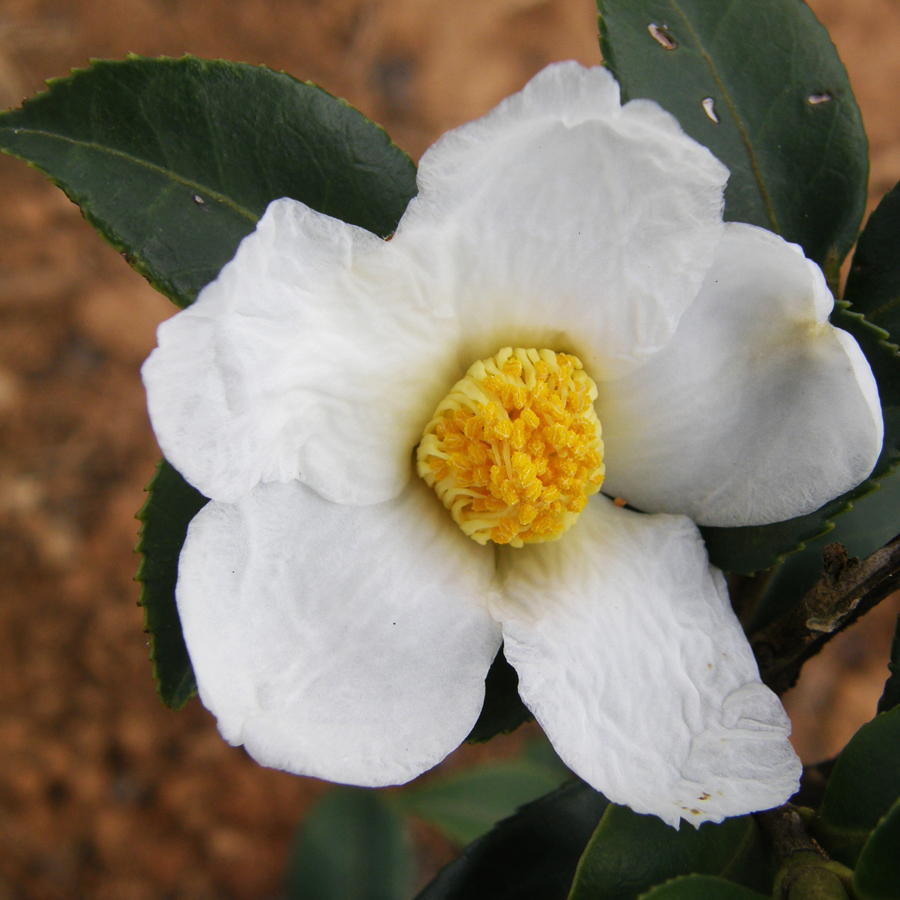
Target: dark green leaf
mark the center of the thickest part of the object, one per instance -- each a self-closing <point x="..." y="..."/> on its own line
<point x="751" y="549"/>
<point x="171" y="504"/>
<point x="174" y="161"/>
<point x="503" y="709"/>
<point x="700" y="887"/>
<point x="891" y="696"/>
<point x="466" y="804"/>
<point x="530" y="856"/>
<point x="864" y="785"/>
<point x="788" y="126"/>
<point x="630" y="853"/>
<point x="351" y="847"/>
<point x="873" y="285"/>
<point x="877" y="875"/>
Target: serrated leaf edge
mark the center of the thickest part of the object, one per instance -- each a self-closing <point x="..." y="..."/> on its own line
<point x="109" y="234"/>
<point x="141" y="516"/>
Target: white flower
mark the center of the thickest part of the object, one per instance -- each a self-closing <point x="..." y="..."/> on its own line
<point x="339" y="622"/>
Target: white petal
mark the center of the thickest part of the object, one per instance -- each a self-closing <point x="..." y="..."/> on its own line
<point x="346" y="643"/>
<point x="569" y="222"/>
<point x="758" y="410"/>
<point x="312" y="356"/>
<point x="632" y="661"/>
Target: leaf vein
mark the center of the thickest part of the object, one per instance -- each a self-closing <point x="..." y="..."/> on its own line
<point x="739" y="123"/>
<point x="143" y="163"/>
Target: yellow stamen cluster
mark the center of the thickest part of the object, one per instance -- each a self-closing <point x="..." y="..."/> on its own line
<point x="514" y="450"/>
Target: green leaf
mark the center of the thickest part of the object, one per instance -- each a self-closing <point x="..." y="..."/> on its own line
<point x="873" y="285"/>
<point x="788" y="125"/>
<point x="862" y="788"/>
<point x="171" y="504"/>
<point x="700" y="887"/>
<point x="630" y="853"/>
<point x="503" y="710"/>
<point x="753" y="548"/>
<point x="530" y="856"/>
<point x="174" y="161"/>
<point x="351" y="847"/>
<point x="465" y="805"/>
<point x="877" y="875"/>
<point x="891" y="696"/>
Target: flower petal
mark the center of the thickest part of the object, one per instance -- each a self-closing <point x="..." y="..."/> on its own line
<point x="312" y="356"/>
<point x="758" y="410"/>
<point x="347" y="643"/>
<point x="632" y="661"/>
<point x="568" y="221"/>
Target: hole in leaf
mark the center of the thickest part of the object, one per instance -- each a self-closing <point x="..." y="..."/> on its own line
<point x="662" y="36"/>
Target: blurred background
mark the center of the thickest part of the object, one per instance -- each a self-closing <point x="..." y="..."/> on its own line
<point x="103" y="792"/>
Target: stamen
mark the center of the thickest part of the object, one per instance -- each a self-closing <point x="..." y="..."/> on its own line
<point x="514" y="450"/>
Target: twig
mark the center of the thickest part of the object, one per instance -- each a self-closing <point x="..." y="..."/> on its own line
<point x="846" y="591"/>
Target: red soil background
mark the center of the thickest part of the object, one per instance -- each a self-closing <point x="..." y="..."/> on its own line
<point x="103" y="792"/>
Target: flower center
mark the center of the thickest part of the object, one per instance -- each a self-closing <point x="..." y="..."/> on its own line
<point x="514" y="450"/>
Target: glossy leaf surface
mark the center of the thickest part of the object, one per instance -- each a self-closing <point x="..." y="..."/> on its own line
<point x="701" y="887"/>
<point x="530" y="856"/>
<point x="352" y="847"/>
<point x="630" y="853"/>
<point x="877" y="874"/>
<point x="173" y="161"/>
<point x="171" y="504"/>
<point x="466" y="804"/>
<point x="873" y="284"/>
<point x="862" y="788"/>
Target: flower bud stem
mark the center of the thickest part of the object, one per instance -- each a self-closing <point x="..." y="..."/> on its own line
<point x="805" y="871"/>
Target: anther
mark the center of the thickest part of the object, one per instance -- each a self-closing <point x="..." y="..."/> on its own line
<point x="518" y="467"/>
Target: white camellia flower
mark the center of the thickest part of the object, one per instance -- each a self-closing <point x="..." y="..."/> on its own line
<point x="341" y="620"/>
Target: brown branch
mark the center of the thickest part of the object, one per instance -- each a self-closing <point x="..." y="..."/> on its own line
<point x="785" y="830"/>
<point x="847" y="590"/>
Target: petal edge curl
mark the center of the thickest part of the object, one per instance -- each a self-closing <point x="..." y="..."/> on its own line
<point x="758" y="410"/>
<point x="569" y="221"/>
<point x="632" y="661"/>
<point x="312" y="356"/>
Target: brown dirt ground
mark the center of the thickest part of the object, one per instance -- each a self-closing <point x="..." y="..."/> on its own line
<point x="103" y="792"/>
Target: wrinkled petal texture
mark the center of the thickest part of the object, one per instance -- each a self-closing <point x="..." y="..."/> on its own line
<point x="346" y="643"/>
<point x="758" y="410"/>
<point x="633" y="663"/>
<point x="564" y="220"/>
<point x="312" y="357"/>
<point x="561" y="219"/>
